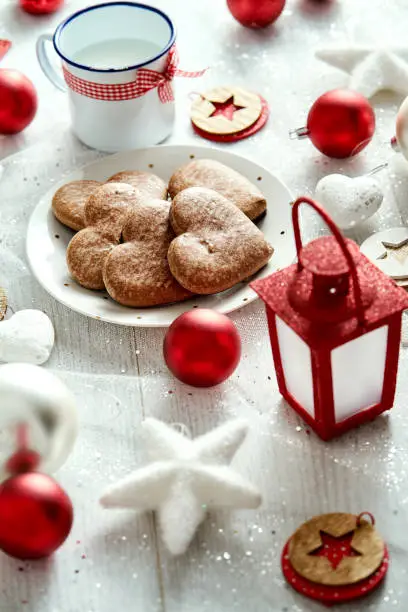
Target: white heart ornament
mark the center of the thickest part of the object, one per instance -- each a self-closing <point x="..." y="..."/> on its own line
<point x="349" y="201"/>
<point x="28" y="337"/>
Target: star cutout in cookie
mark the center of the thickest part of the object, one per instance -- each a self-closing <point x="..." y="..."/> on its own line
<point x="371" y="69"/>
<point x="227" y="108"/>
<point x="186" y="478"/>
<point x="398" y="251"/>
<point x="335" y="549"/>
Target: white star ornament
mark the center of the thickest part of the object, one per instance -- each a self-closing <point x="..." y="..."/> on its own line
<point x="371" y="69"/>
<point x="186" y="478"/>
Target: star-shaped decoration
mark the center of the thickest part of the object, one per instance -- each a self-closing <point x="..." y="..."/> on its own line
<point x="186" y="478"/>
<point x="227" y="108"/>
<point x="335" y="549"/>
<point x="371" y="69"/>
<point x="398" y="251"/>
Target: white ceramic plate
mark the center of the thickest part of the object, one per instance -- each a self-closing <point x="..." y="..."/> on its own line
<point x="47" y="239"/>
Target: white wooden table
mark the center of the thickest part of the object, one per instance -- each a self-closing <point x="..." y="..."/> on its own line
<point x="114" y="560"/>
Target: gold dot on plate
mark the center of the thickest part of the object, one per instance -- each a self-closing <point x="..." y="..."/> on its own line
<point x="192" y="156"/>
<point x="66" y="284"/>
<point x="259" y="178"/>
<point x="151" y="165"/>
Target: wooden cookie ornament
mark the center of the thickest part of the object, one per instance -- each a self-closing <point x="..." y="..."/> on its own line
<point x="227" y="114"/>
<point x="40" y="414"/>
<point x="3" y="303"/>
<point x="335" y="558"/>
<point x="341" y="316"/>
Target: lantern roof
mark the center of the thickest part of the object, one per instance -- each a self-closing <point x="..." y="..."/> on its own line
<point x="387" y="299"/>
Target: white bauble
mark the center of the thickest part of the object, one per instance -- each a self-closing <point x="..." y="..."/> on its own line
<point x="402" y="128"/>
<point x="36" y="398"/>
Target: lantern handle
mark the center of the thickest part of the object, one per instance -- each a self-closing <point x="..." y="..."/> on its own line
<point x="340" y="241"/>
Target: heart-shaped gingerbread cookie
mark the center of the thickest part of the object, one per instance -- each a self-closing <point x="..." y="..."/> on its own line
<point x="68" y="203"/>
<point x="229" y="183"/>
<point x="136" y="273"/>
<point x="105" y="215"/>
<point x="217" y="245"/>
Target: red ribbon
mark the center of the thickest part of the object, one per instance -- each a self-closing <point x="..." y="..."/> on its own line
<point x="146" y="80"/>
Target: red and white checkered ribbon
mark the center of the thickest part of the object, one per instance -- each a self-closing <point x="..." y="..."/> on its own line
<point x="145" y="81"/>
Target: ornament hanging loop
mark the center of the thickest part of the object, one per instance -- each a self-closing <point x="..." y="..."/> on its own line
<point x="377" y="169"/>
<point x="299" y="133"/>
<point x="340" y="241"/>
<point x="364" y="515"/>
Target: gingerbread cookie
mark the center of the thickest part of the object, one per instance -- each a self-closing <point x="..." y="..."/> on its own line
<point x="69" y="201"/>
<point x="229" y="183"/>
<point x="137" y="272"/>
<point x="150" y="184"/>
<point x="217" y="245"/>
<point x="106" y="212"/>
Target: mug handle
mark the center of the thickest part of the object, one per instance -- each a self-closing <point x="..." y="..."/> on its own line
<point x="46" y="66"/>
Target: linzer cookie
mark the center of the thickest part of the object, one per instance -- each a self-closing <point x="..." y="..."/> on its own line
<point x="226" y="181"/>
<point x="217" y="245"/>
<point x="69" y="201"/>
<point x="226" y="110"/>
<point x="106" y="212"/>
<point x="148" y="183"/>
<point x="3" y="303"/>
<point x="137" y="272"/>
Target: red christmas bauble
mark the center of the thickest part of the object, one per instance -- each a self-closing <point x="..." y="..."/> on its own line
<point x="256" y="13"/>
<point x="35" y="516"/>
<point x="341" y="123"/>
<point x="18" y="101"/>
<point x="202" y="347"/>
<point x="41" y="7"/>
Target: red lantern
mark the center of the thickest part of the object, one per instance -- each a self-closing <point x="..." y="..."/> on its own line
<point x="335" y="326"/>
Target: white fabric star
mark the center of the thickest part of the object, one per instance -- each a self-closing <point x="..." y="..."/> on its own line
<point x="185" y="479"/>
<point x="370" y="69"/>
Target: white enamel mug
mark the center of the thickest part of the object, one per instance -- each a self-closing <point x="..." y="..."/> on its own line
<point x="92" y="44"/>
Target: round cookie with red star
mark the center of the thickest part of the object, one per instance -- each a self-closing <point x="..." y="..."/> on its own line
<point x="228" y="114"/>
<point x="335" y="557"/>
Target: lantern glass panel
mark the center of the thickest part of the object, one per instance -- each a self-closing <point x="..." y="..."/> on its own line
<point x="297" y="366"/>
<point x="358" y="373"/>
